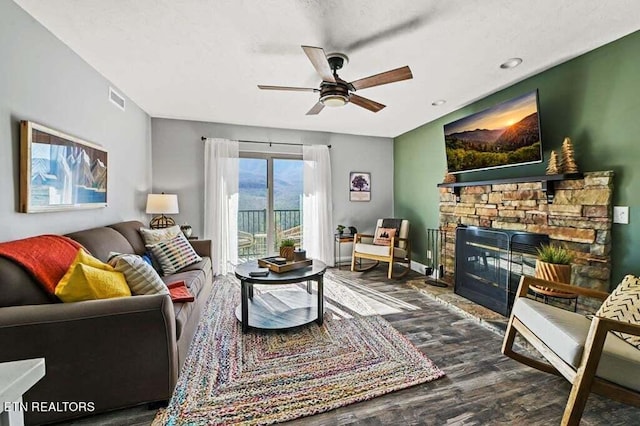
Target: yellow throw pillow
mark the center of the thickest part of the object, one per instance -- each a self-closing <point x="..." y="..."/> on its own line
<point x="89" y="283"/>
<point x="86" y="259"/>
<point x="88" y="278"/>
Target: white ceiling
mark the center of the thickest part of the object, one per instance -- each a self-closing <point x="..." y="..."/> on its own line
<point x="202" y="59"/>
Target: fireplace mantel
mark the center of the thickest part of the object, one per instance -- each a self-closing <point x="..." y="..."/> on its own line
<point x="548" y="183"/>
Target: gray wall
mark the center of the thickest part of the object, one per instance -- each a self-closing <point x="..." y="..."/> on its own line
<point x="42" y="80"/>
<point x="178" y="166"/>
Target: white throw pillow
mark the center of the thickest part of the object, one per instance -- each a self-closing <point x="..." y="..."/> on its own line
<point x="140" y="276"/>
<point x="155" y="236"/>
<point x="623" y="304"/>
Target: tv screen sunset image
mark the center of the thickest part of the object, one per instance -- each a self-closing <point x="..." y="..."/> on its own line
<point x="506" y="134"/>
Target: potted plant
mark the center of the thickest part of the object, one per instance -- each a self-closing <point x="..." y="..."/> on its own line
<point x="287" y="247"/>
<point x="554" y="263"/>
<point x="340" y="229"/>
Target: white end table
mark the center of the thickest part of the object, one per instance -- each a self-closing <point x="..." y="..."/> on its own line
<point x="16" y="378"/>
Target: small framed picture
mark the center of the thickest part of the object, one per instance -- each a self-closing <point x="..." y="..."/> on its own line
<point x="359" y="186"/>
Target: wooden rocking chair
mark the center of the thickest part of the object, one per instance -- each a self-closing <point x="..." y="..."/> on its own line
<point x="581" y="350"/>
<point x="397" y="250"/>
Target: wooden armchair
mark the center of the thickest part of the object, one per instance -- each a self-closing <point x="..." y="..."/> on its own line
<point x="581" y="350"/>
<point x="397" y="250"/>
<point x="294" y="234"/>
<point x="245" y="240"/>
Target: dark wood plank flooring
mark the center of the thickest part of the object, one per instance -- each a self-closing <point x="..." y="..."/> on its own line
<point x="482" y="387"/>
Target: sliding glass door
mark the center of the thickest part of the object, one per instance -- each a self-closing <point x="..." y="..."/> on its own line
<point x="270" y="203"/>
<point x="253" y="204"/>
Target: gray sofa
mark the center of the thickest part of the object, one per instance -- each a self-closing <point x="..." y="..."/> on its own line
<point x="115" y="353"/>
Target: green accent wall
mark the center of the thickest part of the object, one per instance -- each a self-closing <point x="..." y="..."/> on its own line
<point x="594" y="99"/>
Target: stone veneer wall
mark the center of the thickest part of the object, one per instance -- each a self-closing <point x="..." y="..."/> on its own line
<point x="579" y="218"/>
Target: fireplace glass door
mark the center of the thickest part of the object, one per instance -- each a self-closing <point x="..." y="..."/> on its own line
<point x="481" y="267"/>
<point x="489" y="264"/>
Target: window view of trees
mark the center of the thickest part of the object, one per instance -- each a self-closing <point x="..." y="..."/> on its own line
<point x="465" y="159"/>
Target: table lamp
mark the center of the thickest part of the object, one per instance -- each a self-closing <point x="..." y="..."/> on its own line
<point x="161" y="204"/>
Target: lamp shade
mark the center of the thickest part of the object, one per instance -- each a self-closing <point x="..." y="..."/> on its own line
<point x="162" y="204"/>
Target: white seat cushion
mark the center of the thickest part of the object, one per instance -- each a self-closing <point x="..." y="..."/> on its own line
<point x="379" y="250"/>
<point x="565" y="334"/>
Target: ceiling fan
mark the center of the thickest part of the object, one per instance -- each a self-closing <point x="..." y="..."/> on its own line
<point x="334" y="91"/>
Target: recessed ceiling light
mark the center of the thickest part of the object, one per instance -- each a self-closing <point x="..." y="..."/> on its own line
<point x="439" y="102"/>
<point x="511" y="63"/>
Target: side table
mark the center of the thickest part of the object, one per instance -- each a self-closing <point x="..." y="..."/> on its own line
<point x="338" y="241"/>
<point x="16" y="378"/>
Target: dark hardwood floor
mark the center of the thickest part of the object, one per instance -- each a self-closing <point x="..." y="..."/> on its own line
<point x="482" y="387"/>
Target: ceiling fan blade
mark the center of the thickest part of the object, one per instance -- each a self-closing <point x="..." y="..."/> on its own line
<point x="293" y="89"/>
<point x="392" y="76"/>
<point x="316" y="109"/>
<point x="372" y="106"/>
<point x="320" y="63"/>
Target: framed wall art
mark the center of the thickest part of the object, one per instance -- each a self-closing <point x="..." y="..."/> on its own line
<point x="359" y="186"/>
<point x="59" y="171"/>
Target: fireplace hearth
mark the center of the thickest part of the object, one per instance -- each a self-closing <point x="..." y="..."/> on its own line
<point x="489" y="264"/>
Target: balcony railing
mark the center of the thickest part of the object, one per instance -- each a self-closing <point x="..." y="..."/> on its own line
<point x="252" y="230"/>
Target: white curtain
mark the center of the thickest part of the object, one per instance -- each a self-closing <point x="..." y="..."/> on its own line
<point x="317" y="225"/>
<point x="221" y="168"/>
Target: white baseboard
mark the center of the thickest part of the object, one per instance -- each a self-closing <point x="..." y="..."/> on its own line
<point x="418" y="267"/>
<point x="421" y="269"/>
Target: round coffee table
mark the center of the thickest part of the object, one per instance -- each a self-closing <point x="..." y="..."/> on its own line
<point x="282" y="308"/>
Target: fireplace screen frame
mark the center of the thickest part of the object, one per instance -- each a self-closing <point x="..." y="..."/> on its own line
<point x="489" y="263"/>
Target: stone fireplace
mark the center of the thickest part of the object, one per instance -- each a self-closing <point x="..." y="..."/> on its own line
<point x="575" y="213"/>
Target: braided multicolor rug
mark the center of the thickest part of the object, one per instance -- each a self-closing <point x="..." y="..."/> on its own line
<point x="265" y="377"/>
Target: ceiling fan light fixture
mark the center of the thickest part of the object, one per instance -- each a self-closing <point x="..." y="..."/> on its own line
<point x="334" y="100"/>
<point x="336" y="92"/>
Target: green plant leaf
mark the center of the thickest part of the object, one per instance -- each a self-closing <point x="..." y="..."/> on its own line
<point x="287" y="243"/>
<point x="553" y="253"/>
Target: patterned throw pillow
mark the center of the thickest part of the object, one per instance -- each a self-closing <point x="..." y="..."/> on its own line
<point x="147" y="258"/>
<point x="623" y="304"/>
<point x="174" y="254"/>
<point x="383" y="236"/>
<point x="155" y="236"/>
<point x="140" y="276"/>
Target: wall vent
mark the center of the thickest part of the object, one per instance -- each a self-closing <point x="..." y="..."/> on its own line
<point x="116" y="98"/>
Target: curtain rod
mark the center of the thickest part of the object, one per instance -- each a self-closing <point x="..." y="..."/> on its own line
<point x="204" y="138"/>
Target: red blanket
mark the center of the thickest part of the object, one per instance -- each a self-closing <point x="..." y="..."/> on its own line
<point x="180" y="293"/>
<point x="46" y="257"/>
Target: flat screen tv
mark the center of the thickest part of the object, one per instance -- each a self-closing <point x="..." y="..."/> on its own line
<point x="507" y="134"/>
